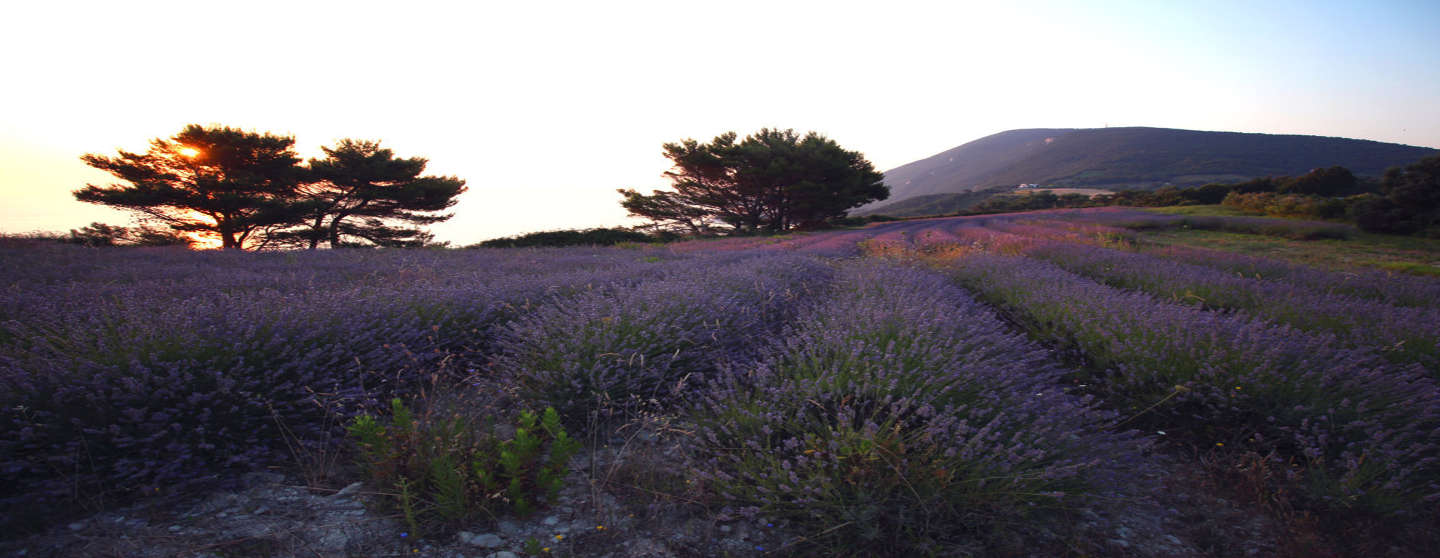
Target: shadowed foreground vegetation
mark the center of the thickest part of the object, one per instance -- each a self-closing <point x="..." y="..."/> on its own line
<point x="993" y="385"/>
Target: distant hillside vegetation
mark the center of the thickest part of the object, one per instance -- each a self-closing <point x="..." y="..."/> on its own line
<point x="935" y="204"/>
<point x="1129" y="158"/>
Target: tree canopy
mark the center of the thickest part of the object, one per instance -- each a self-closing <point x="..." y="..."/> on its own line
<point x="216" y="181"/>
<point x="1330" y="181"/>
<point x="250" y="190"/>
<point x="360" y="192"/>
<point x="101" y="234"/>
<point x="772" y="180"/>
<point x="1409" y="202"/>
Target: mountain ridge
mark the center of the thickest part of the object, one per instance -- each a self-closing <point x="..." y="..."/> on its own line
<point x="1131" y="157"/>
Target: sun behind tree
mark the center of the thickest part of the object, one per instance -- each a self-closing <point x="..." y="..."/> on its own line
<point x="218" y="182"/>
<point x="237" y="189"/>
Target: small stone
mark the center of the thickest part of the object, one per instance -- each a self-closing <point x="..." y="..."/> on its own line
<point x="726" y="528"/>
<point x="487" y="540"/>
<point x="1172" y="539"/>
<point x="76" y="526"/>
<point x="508" y="527"/>
<point x="261" y="510"/>
<point x="1121" y="543"/>
<point x="356" y="513"/>
<point x="334" y="541"/>
<point x="174" y="528"/>
<point x="348" y="490"/>
<point x="503" y="554"/>
<point x="647" y="547"/>
<point x="551" y="521"/>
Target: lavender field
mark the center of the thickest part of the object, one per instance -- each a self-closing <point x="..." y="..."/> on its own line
<point x="1026" y="384"/>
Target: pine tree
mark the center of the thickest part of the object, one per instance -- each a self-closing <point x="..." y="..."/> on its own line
<point x="220" y="182"/>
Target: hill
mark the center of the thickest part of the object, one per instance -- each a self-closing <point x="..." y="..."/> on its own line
<point x="1132" y="158"/>
<point x="932" y="204"/>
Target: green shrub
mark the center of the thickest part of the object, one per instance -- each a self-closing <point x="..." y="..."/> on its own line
<point x="577" y="237"/>
<point x="1249" y="202"/>
<point x="446" y="468"/>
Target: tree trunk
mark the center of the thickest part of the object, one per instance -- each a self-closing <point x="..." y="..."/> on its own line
<point x="227" y="234"/>
<point x="315" y="232"/>
<point x="334" y="235"/>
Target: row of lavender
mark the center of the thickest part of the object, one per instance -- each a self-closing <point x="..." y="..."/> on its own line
<point x="130" y="369"/>
<point x="898" y="415"/>
<point x="1331" y="374"/>
<point x="872" y="408"/>
<point x="1365" y="429"/>
<point x="1328" y="373"/>
<point x="1397" y="316"/>
<point x="1405" y="335"/>
<point x="1108" y="229"/>
<point x="137" y="368"/>
<point x="651" y="345"/>
<point x="1115" y="227"/>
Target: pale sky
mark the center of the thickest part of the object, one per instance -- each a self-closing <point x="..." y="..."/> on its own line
<point x="545" y="108"/>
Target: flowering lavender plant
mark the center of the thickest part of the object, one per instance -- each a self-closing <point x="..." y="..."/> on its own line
<point x="656" y="340"/>
<point x="896" y="411"/>
<point x="1367" y="430"/>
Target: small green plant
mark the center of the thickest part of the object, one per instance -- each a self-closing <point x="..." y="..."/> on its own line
<point x="446" y="468"/>
<point x="406" y="502"/>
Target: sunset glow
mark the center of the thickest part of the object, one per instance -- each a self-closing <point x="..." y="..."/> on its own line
<point x="546" y="110"/>
<point x="189" y="151"/>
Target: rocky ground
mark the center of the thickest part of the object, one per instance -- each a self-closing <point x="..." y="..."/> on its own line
<point x="600" y="513"/>
<point x="275" y="514"/>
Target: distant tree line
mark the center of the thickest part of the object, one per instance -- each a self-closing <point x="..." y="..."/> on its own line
<point x="101" y="234"/>
<point x="251" y="190"/>
<point x="1406" y="200"/>
<point x="572" y="237"/>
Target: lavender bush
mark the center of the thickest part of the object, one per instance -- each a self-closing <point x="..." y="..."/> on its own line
<point x="1368" y="431"/>
<point x="1293" y="229"/>
<point x="899" y="416"/>
<point x="1090" y="228"/>
<point x="655" y="340"/>
<point x="1390" y="288"/>
<point x="1402" y="334"/>
<point x="124" y="371"/>
<point x="869" y="406"/>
